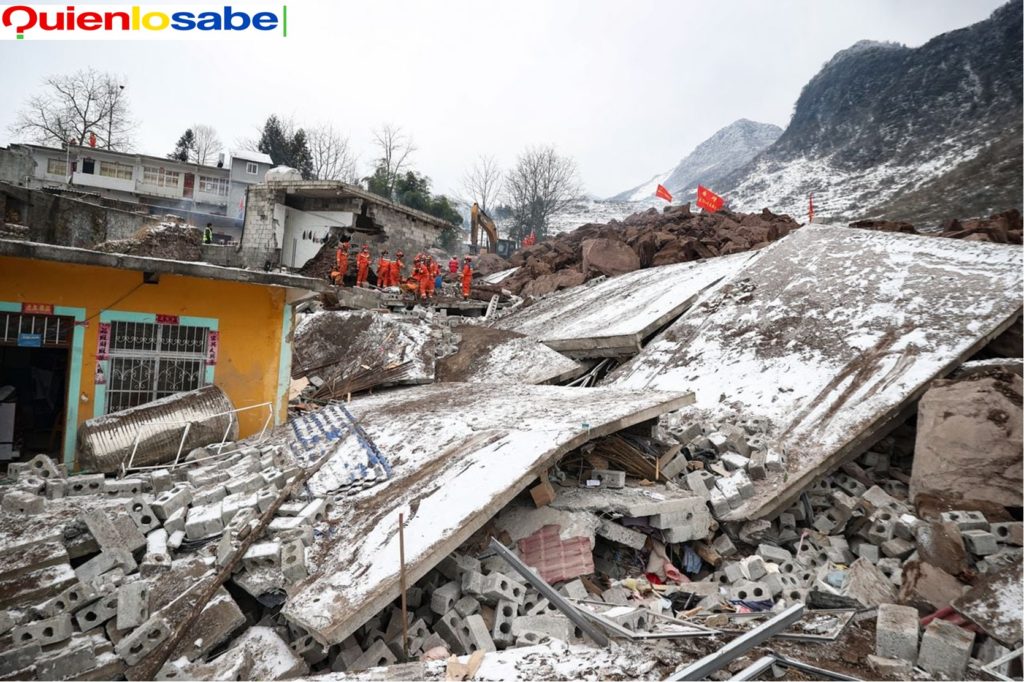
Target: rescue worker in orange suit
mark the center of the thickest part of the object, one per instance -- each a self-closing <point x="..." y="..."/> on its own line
<point x="341" y="264"/>
<point x="453" y="265"/>
<point x="422" y="278"/>
<point x="383" y="270"/>
<point x="363" y="265"/>
<point x="432" y="270"/>
<point x="397" y="266"/>
<point x="467" y="276"/>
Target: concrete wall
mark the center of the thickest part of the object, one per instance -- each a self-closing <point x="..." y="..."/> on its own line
<point x="250" y="320"/>
<point x="304" y="233"/>
<point x="17" y="166"/>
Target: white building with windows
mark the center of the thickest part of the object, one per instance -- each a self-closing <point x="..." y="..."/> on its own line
<point x="198" y="192"/>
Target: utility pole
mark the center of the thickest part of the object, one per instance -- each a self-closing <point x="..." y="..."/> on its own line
<point x="114" y="96"/>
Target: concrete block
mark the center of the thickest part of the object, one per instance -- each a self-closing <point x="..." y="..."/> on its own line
<point x="609" y="478"/>
<point x="126" y="487"/>
<point x="723" y="544"/>
<point x="733" y="572"/>
<point x="719" y="504"/>
<point x="1009" y="533"/>
<point x="896" y="632"/>
<point x="466" y="606"/>
<point x="898" y="548"/>
<point x="616" y="595"/>
<point x="67" y="663"/>
<point x="232" y="504"/>
<point x="104" y="562"/>
<point x="263" y="555"/>
<point x="175" y="539"/>
<point x="498" y="586"/>
<point x="865" y="550"/>
<point x="743" y="483"/>
<point x="750" y="591"/>
<point x="68" y="601"/>
<point x="248" y="483"/>
<point x="888" y="668"/>
<point x="378" y="654"/>
<point x="675" y="467"/>
<point x="23" y="503"/>
<point x="980" y="542"/>
<point x="56" y="488"/>
<point x="293" y="561"/>
<point x="170" y="501"/>
<point x="945" y="649"/>
<point x="209" y="495"/>
<point x="15" y="658"/>
<point x="774" y="554"/>
<point x="774" y="461"/>
<point x="43" y="632"/>
<point x="752" y="567"/>
<point x="730" y="491"/>
<point x="265" y="498"/>
<point x="555" y="627"/>
<point x="132" y="605"/>
<point x="734" y="461"/>
<point x="966" y="520"/>
<point x="476" y="636"/>
<point x="574" y="589"/>
<point x="89" y="484"/>
<point x="443" y="599"/>
<point x="203" y="521"/>
<point x="96" y="613"/>
<point x="620" y="534"/>
<point x="310" y="650"/>
<point x="141" y="513"/>
<point x="773" y="579"/>
<point x="701" y="482"/>
<point x="504" y="615"/>
<point x="454" y="565"/>
<point x="449" y="627"/>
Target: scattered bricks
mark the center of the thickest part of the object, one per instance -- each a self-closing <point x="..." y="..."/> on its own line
<point x="7" y="621"/>
<point x="753" y="532"/>
<point x="171" y="501"/>
<point x="730" y="491"/>
<point x="849" y="484"/>
<point x="543" y="493"/>
<point x="774" y="461"/>
<point x="69" y="600"/>
<point x="44" y="467"/>
<point x="476" y="635"/>
<point x="244" y="484"/>
<point x="752" y="567"/>
<point x="839" y="550"/>
<point x="879" y="499"/>
<point x="132" y="605"/>
<point x="176" y="521"/>
<point x="734" y="461"/>
<point x="574" y="589"/>
<point x="20" y="502"/>
<point x="609" y="478"/>
<point x="126" y="487"/>
<point x="413" y="595"/>
<point x="175" y="539"/>
<point x="15" y="659"/>
<point x="945" y="649"/>
<point x="454" y="565"/>
<point x="621" y="535"/>
<point x="161" y="481"/>
<point x="56" y="488"/>
<point x="719" y="504"/>
<point x="718" y="440"/>
<point x="377" y="655"/>
<point x="263" y="555"/>
<point x="723" y="545"/>
<point x="879" y="531"/>
<point x="906" y="526"/>
<point x="264" y="498"/>
<point x="674" y="467"/>
<point x="142" y="515"/>
<point x="701" y="483"/>
<point x="156" y="547"/>
<point x="443" y="599"/>
<point x="205" y="476"/>
<point x="896" y="632"/>
<point x="743" y="483"/>
<point x="449" y="627"/>
<point x="750" y="591"/>
<point x="504" y="615"/>
<point x="774" y="554"/>
<point x="103" y="562"/>
<point x="734" y="572"/>
<point x="898" y="548"/>
<point x="315" y="511"/>
<point x="43" y="632"/>
<point x="293" y="562"/>
<point x="209" y="495"/>
<point x="889" y="667"/>
<point x="312" y="651"/>
<point x="616" y="595"/>
<point x="1009" y="533"/>
<point x="864" y="550"/>
<point x="756" y="467"/>
<point x="556" y="627"/>
<point x="272" y="476"/>
<point x="498" y="586"/>
<point x="97" y="613"/>
<point x="773" y="579"/>
<point x="291" y="508"/>
<point x="203" y="521"/>
<point x="980" y="542"/>
<point x="466" y="606"/>
<point x="966" y="520"/>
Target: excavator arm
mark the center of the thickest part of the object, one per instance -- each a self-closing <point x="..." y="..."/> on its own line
<point x="481" y="220"/>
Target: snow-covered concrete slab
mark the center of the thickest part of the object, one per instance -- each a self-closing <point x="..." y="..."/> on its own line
<point x="498" y="277"/>
<point x="498" y="356"/>
<point x="831" y="335"/>
<point x="459" y="453"/>
<point x="611" y="317"/>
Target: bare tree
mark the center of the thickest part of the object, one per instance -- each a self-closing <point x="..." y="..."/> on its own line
<point x="333" y="158"/>
<point x="70" y="107"/>
<point x="207" y="144"/>
<point x="395" y="148"/>
<point x="541" y="184"/>
<point x="482" y="183"/>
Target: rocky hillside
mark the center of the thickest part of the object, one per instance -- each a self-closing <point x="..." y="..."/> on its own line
<point x="714" y="158"/>
<point x="916" y="134"/>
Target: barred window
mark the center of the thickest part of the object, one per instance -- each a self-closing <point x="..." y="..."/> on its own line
<point x="150" y="361"/>
<point x="113" y="169"/>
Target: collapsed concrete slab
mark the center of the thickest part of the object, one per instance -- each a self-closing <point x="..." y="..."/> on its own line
<point x="969" y="440"/>
<point x="611" y="317"/>
<point x="459" y="453"/>
<point x="996" y="604"/>
<point x="831" y="335"/>
<point x="496" y="356"/>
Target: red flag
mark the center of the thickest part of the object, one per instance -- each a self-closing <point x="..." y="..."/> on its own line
<point x="708" y="200"/>
<point x="810" y="208"/>
<point x="663" y="193"/>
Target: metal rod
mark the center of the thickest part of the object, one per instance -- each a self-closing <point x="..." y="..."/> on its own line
<point x="552" y="596"/>
<point x="754" y="669"/>
<point x="819" y="673"/>
<point x="401" y="579"/>
<point x="698" y="670"/>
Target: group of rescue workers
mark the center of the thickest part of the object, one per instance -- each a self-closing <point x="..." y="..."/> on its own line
<point x="423" y="282"/>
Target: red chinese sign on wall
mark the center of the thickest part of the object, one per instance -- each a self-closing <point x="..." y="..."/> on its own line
<point x="212" y="347"/>
<point x="167" y="319"/>
<point x="103" y="341"/>
<point x="37" y="308"/>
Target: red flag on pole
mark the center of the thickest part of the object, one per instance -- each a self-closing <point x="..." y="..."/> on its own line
<point x="810" y="208"/>
<point x="663" y="193"/>
<point x="708" y="200"/>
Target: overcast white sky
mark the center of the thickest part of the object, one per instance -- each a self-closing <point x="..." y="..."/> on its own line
<point x="625" y="87"/>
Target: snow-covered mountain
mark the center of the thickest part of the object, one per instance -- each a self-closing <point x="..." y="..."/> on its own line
<point x="714" y="158"/>
<point x="883" y="130"/>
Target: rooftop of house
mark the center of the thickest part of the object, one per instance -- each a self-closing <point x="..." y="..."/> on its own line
<point x="67" y="254"/>
<point x="244" y="154"/>
<point x="249" y="155"/>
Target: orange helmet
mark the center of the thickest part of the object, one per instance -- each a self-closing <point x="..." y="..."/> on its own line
<point x="366" y="247"/>
<point x="399" y="254"/>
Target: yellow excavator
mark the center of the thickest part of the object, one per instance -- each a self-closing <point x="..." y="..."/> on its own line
<point x="480" y="220"/>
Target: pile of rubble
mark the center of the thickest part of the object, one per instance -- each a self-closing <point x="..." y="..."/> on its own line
<point x="1000" y="228"/>
<point x="169" y="239"/>
<point x="642" y="240"/>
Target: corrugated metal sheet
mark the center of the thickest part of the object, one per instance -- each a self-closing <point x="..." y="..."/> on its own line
<point x="105" y="442"/>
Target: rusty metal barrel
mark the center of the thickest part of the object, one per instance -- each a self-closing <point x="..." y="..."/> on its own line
<point x="104" y="443"/>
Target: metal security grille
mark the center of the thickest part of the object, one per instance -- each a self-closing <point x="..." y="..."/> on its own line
<point x="150" y="361"/>
<point x="54" y="329"/>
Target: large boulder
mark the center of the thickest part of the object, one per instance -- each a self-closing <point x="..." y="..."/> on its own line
<point x="608" y="257"/>
<point x="546" y="284"/>
<point x="969" y="440"/>
<point x="488" y="263"/>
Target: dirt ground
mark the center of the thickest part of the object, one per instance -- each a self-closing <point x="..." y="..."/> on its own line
<point x="476" y="342"/>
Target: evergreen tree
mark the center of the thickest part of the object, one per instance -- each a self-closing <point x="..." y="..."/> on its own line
<point x="274" y="142"/>
<point x="184" y="147"/>
<point x="301" y="157"/>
